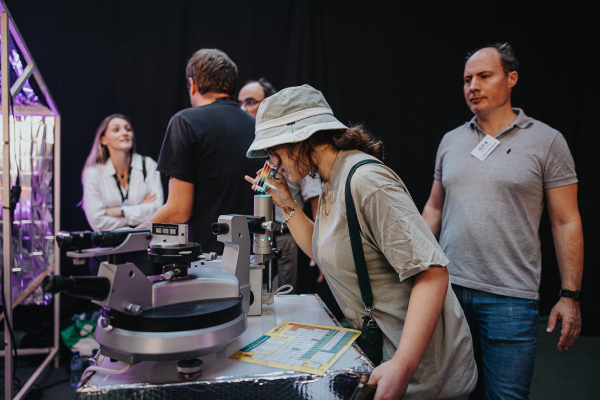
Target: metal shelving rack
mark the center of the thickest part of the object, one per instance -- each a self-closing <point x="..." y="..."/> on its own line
<point x="31" y="151"/>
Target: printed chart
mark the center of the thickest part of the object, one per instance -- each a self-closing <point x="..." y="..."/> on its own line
<point x="300" y="347"/>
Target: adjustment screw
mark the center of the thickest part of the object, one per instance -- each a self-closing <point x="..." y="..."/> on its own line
<point x="104" y="323"/>
<point x="134" y="309"/>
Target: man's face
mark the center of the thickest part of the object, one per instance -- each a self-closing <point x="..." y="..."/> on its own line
<point x="487" y="88"/>
<point x="250" y="97"/>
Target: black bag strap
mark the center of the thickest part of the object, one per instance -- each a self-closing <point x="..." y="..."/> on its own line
<point x="357" y="250"/>
<point x="144" y="167"/>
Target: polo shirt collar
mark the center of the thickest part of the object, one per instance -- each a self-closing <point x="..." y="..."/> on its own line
<point x="522" y="121"/>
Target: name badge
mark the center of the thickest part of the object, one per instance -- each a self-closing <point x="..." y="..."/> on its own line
<point x="485" y="147"/>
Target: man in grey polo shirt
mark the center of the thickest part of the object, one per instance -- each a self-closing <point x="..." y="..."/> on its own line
<point x="493" y="176"/>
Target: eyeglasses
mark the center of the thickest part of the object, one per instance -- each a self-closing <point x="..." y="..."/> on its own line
<point x="249" y="102"/>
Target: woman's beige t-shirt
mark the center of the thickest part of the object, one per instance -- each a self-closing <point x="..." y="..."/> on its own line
<point x="398" y="245"/>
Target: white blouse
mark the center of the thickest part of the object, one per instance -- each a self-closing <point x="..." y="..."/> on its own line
<point x="100" y="191"/>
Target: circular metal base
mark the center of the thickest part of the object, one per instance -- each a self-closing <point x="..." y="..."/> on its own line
<point x="132" y="347"/>
<point x="187" y="316"/>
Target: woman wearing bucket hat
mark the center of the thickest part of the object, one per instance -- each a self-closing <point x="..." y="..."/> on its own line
<point x="427" y="351"/>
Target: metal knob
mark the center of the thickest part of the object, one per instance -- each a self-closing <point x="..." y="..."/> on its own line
<point x="134" y="309"/>
<point x="171" y="274"/>
<point x="208" y="256"/>
<point x="105" y="323"/>
<point x="269" y="226"/>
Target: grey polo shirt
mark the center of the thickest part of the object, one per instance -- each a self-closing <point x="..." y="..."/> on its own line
<point x="398" y="245"/>
<point x="492" y="208"/>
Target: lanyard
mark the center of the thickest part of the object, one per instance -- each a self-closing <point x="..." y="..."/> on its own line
<point x="126" y="196"/>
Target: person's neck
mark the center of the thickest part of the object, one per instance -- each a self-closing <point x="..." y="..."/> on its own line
<point x="120" y="160"/>
<point x="495" y="122"/>
<point x="327" y="156"/>
<point x="207" y="98"/>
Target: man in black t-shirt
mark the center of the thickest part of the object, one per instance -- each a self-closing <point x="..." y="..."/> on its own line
<point x="204" y="152"/>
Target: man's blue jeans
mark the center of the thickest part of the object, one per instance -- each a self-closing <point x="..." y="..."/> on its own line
<point x="504" y="331"/>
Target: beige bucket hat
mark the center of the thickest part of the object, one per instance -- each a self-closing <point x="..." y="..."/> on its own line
<point x="290" y="116"/>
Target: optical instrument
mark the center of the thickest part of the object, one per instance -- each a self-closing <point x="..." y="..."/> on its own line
<point x="197" y="306"/>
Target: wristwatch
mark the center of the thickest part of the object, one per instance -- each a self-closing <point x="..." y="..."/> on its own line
<point x="576" y="295"/>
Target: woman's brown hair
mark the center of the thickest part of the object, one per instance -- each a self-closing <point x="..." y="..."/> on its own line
<point x="304" y="154"/>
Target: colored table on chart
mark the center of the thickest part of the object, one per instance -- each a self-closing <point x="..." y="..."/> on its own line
<point x="299" y="346"/>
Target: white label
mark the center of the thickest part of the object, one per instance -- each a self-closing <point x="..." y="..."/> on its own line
<point x="485" y="147"/>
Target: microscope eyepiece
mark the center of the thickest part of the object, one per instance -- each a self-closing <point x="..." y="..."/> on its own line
<point x="87" y="287"/>
<point x="88" y="239"/>
<point x="219" y="228"/>
<point x="74" y="240"/>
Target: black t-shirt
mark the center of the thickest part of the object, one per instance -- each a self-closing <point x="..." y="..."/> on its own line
<point x="207" y="146"/>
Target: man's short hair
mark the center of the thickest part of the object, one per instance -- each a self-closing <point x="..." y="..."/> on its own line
<point x="508" y="58"/>
<point x="212" y="72"/>
<point x="268" y="89"/>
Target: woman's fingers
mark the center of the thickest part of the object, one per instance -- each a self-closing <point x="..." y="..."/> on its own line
<point x="280" y="192"/>
<point x="251" y="180"/>
<point x="278" y="189"/>
<point x="277" y="186"/>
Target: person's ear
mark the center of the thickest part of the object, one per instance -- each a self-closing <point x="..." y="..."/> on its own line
<point x="103" y="140"/>
<point x="513" y="77"/>
<point x="192" y="86"/>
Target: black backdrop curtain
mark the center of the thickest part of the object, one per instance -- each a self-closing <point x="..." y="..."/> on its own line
<point x="395" y="66"/>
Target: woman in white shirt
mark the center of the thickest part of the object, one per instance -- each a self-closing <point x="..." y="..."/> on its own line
<point x="120" y="187"/>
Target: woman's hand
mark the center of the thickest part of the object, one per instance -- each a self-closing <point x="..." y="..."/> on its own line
<point x="301" y="227"/>
<point x="391" y="380"/>
<point x="282" y="197"/>
<point x="150" y="197"/>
